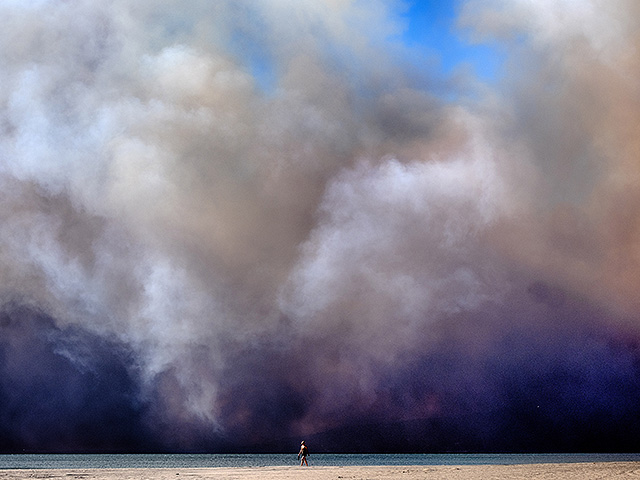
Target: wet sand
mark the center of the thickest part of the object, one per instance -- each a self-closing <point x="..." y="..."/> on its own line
<point x="582" y="471"/>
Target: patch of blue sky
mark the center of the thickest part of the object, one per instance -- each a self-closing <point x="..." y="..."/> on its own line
<point x="431" y="40"/>
<point x="263" y="71"/>
<point x="256" y="58"/>
<point x="431" y="28"/>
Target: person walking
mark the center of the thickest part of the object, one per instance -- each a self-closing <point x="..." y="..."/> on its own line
<point x="303" y="453"/>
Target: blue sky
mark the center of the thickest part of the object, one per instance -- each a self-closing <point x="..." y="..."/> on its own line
<point x="433" y="41"/>
<point x="431" y="25"/>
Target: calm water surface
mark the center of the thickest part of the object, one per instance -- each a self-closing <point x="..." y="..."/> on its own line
<point x="22" y="461"/>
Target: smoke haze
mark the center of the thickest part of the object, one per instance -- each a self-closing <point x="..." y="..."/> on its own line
<point x="230" y="224"/>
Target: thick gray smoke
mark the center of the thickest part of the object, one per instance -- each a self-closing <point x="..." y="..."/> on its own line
<point x="269" y="224"/>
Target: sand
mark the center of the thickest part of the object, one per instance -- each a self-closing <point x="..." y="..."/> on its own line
<point x="564" y="471"/>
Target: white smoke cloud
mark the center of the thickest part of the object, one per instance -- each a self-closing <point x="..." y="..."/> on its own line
<point x="380" y="219"/>
<point x="573" y="97"/>
<point x="149" y="173"/>
<point x="606" y="26"/>
<point x="152" y="192"/>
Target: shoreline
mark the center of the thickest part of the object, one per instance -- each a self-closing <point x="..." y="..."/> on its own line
<point x="541" y="471"/>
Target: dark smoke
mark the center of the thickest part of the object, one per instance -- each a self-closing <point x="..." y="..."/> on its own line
<point x="230" y="225"/>
<point x="63" y="389"/>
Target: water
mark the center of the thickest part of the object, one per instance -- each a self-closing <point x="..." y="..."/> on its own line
<point x="81" y="461"/>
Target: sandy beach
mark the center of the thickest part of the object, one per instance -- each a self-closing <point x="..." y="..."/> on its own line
<point x="565" y="471"/>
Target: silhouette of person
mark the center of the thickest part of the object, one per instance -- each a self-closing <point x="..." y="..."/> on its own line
<point x="303" y="453"/>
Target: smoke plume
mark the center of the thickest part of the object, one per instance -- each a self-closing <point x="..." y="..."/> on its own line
<point x="227" y="225"/>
